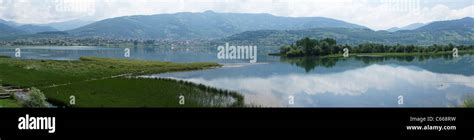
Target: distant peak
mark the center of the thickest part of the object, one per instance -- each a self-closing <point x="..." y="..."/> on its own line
<point x="209" y="11"/>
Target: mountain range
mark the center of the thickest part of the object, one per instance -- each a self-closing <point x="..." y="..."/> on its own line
<point x="408" y="27"/>
<point x="10" y="28"/>
<point x="68" y="25"/>
<point x="206" y="25"/>
<point x="9" y="23"/>
<point x="6" y="30"/>
<point x="459" y="31"/>
<point x="38" y="28"/>
<point x="464" y="24"/>
<point x="259" y="29"/>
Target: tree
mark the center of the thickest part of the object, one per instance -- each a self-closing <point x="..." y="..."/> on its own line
<point x="317" y="50"/>
<point x="336" y="49"/>
<point x="410" y="48"/>
<point x="285" y="49"/>
<point x="330" y="41"/>
<point x="327" y="46"/>
<point x="324" y="48"/>
<point x="135" y="42"/>
<point x="307" y="45"/>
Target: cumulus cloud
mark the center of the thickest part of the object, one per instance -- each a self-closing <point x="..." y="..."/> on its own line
<point x="44" y="11"/>
<point x="375" y="14"/>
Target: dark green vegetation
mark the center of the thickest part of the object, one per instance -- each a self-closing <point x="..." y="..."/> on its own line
<point x="9" y="103"/>
<point x="459" y="31"/>
<point x="102" y="82"/>
<point x="328" y="47"/>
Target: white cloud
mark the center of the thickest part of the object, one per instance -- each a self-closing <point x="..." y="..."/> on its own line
<point x="272" y="91"/>
<point x="375" y="14"/>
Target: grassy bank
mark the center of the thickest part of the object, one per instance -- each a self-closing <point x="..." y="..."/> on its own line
<point x="9" y="103"/>
<point x="142" y="92"/>
<point x="385" y="54"/>
<point x="102" y="82"/>
<point x="48" y="72"/>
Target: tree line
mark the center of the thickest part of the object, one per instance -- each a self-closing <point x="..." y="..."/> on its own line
<point x="329" y="46"/>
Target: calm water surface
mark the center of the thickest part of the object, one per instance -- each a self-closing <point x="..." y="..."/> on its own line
<point x="434" y="81"/>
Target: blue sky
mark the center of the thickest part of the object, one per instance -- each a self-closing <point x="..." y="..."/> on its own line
<point x="375" y="14"/>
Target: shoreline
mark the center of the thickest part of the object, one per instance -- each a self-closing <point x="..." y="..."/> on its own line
<point x="461" y="52"/>
<point x="85" y="80"/>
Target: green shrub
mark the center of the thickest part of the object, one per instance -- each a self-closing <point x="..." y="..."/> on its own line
<point x="293" y="53"/>
<point x="36" y="99"/>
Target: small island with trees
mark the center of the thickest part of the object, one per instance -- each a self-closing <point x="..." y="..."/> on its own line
<point x="328" y="47"/>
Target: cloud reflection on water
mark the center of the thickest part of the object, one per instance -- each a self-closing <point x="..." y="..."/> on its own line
<point x="384" y="79"/>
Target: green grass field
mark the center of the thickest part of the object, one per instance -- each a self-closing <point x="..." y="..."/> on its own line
<point x="9" y="103"/>
<point x="104" y="82"/>
<point x="142" y="92"/>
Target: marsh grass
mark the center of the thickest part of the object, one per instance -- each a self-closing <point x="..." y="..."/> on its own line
<point x="103" y="82"/>
<point x="143" y="92"/>
<point x="468" y="102"/>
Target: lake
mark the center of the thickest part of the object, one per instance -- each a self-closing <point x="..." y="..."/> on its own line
<point x="408" y="81"/>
